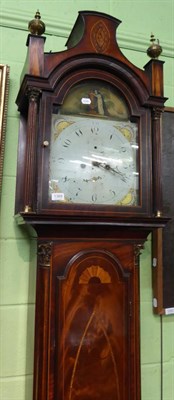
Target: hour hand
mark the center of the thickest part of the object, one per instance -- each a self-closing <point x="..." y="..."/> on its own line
<point x="109" y="168"/>
<point x="101" y="164"/>
<point x="96" y="163"/>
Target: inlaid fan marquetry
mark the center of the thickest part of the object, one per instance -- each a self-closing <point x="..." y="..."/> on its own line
<point x="95" y="271"/>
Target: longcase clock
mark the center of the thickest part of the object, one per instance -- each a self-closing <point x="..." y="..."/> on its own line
<point x="89" y="183"/>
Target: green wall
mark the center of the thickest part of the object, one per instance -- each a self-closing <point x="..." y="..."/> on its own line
<point x="17" y="251"/>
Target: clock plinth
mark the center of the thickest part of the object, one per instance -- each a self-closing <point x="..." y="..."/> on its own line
<point x="88" y="182"/>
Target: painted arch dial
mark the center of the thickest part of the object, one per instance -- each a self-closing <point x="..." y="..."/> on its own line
<point x="93" y="161"/>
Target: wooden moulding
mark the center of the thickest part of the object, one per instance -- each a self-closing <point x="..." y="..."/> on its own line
<point x="163" y="239"/>
<point x="4" y="86"/>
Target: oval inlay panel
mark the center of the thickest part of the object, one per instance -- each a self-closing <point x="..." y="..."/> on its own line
<point x="100" y="37"/>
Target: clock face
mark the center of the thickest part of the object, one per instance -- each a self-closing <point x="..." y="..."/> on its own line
<point x="93" y="161"/>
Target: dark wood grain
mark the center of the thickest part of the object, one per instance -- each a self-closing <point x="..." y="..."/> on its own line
<point x="168" y="203"/>
<point x="94" y="332"/>
<point x="41" y="332"/>
<point x="163" y="239"/>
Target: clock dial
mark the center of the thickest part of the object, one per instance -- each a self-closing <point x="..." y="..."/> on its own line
<point x="93" y="161"/>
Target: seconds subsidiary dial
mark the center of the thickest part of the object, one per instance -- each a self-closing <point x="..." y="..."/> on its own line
<point x="93" y="161"/>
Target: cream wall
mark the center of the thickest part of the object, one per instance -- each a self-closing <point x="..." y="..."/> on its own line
<point x="17" y="251"/>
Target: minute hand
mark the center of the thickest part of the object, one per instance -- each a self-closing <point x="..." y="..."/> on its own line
<point x="109" y="168"/>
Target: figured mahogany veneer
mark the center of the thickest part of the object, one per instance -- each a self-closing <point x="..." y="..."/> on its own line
<point x="90" y="319"/>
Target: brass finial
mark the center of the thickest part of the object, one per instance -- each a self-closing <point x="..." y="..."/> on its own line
<point x="154" y="49"/>
<point x="159" y="214"/>
<point x="36" y="26"/>
<point x="27" y="209"/>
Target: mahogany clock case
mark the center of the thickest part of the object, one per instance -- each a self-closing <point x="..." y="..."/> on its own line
<point x="142" y="119"/>
<point x="87" y="328"/>
<point x="137" y="114"/>
<point x="87" y="301"/>
<point x="45" y="89"/>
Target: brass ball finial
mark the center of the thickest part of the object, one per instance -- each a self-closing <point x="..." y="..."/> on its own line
<point x="36" y="26"/>
<point x="154" y="49"/>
